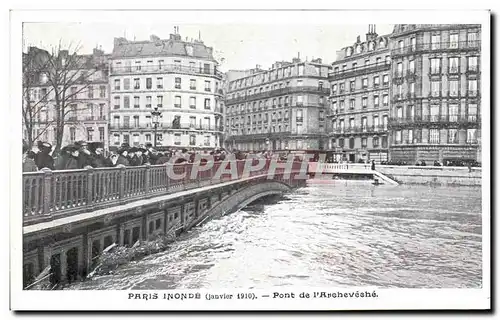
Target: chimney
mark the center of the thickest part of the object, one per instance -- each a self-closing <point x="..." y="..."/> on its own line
<point x="358" y="40"/>
<point x="371" y="35"/>
<point x="154" y="38"/>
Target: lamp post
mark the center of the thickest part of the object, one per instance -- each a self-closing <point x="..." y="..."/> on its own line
<point x="155" y="118"/>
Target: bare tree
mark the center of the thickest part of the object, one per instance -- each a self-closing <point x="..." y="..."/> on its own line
<point x="65" y="75"/>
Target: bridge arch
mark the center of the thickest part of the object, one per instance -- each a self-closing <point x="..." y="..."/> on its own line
<point x="244" y="197"/>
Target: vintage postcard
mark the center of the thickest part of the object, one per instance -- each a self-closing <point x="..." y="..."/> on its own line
<point x="250" y="160"/>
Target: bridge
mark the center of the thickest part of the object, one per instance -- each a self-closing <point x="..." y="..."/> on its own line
<point x="71" y="216"/>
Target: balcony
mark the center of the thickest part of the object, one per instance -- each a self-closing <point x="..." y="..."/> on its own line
<point x="358" y="71"/>
<point x="437" y="46"/>
<point x="95" y="118"/>
<point x="299" y="119"/>
<point x="435" y="119"/>
<point x="277" y="92"/>
<point x="162" y="69"/>
<point x="472" y="93"/>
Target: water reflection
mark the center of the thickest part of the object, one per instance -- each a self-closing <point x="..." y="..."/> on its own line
<point x="336" y="234"/>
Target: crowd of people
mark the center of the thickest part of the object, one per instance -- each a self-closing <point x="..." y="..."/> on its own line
<point x="83" y="154"/>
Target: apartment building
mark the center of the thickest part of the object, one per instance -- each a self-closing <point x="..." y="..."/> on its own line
<point x="82" y="94"/>
<point x="359" y="100"/>
<point x="174" y="77"/>
<point x="280" y="109"/>
<point x="435" y="92"/>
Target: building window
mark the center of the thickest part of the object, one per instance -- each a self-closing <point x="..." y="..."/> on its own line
<point x="454" y="41"/>
<point x="435" y="42"/>
<point x="434" y="136"/>
<point x="385" y="100"/>
<point x="397" y="137"/>
<point x="351" y="143"/>
<point x="159" y="100"/>
<point x="352" y="86"/>
<point x="137" y="83"/>
<point x="334" y="89"/>
<point x="207" y="104"/>
<point x="472" y="64"/>
<point x="149" y="83"/>
<point x="351" y="123"/>
<point x="364" y="124"/>
<point x="385" y="79"/>
<point x="341" y="87"/>
<point x="453" y="88"/>
<point x="413" y="44"/>
<point x="399" y="112"/>
<point x="472" y="112"/>
<point x="72" y="134"/>
<point x="399" y="70"/>
<point x="376" y="81"/>
<point x="453" y="65"/>
<point x="117" y="84"/>
<point x="364" y="142"/>
<point x="192" y="84"/>
<point x="177" y="83"/>
<point x="159" y="83"/>
<point x="177" y="102"/>
<point x="90" y="92"/>
<point x="365" y="83"/>
<point x="102" y="92"/>
<point x="126" y="84"/>
<point x="116" y="104"/>
<point x="375" y="142"/>
<point x="435" y="88"/>
<point x="472" y="88"/>
<point x="192" y="140"/>
<point x="471" y="135"/>
<point x="472" y="39"/>
<point x="342" y="105"/>
<point x="148" y="137"/>
<point x="136" y="102"/>
<point x="452" y="136"/>
<point x="207" y="86"/>
<point x="411" y="68"/>
<point x="375" y="123"/>
<point x="376" y="101"/>
<point x="206" y="141"/>
<point x="192" y="102"/>
<point x="148" y="101"/>
<point x="90" y="134"/>
<point x="435" y="66"/>
<point x="351" y="103"/>
<point x="177" y="139"/>
<point x="334" y="106"/>
<point x="453" y="112"/>
<point x="136" y="121"/>
<point x="387" y="59"/>
<point x="364" y="102"/>
<point x="126" y="102"/>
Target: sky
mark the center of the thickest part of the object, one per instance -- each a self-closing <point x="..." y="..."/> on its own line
<point x="242" y="46"/>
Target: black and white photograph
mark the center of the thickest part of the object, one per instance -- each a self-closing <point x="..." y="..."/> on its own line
<point x="250" y="160"/>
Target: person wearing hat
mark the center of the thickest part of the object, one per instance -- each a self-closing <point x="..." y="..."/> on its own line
<point x="122" y="158"/>
<point x="136" y="156"/>
<point x="98" y="160"/>
<point x="29" y="164"/>
<point x="43" y="159"/>
<point x="68" y="160"/>
<point x="85" y="156"/>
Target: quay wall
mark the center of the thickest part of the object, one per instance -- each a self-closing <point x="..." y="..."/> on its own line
<point x="456" y="176"/>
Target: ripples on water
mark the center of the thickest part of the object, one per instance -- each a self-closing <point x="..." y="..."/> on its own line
<point x="339" y="234"/>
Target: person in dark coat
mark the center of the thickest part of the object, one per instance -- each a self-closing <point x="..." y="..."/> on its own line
<point x="43" y="159"/>
<point x="29" y="164"/>
<point x="98" y="160"/>
<point x="373" y="164"/>
<point x="69" y="158"/>
<point x="85" y="156"/>
<point x="122" y="157"/>
<point x="152" y="154"/>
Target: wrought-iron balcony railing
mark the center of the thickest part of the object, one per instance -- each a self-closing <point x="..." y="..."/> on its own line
<point x="165" y="126"/>
<point x="438" y="46"/>
<point x="358" y="71"/>
<point x="454" y="119"/>
<point x="276" y="92"/>
<point x="164" y="68"/>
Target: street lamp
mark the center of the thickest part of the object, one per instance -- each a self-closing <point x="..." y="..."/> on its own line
<point x="155" y="118"/>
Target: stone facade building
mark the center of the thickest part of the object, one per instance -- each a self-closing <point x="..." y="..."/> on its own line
<point x="177" y="78"/>
<point x="359" y="100"/>
<point x="84" y="96"/>
<point x="280" y="109"/>
<point x="435" y="92"/>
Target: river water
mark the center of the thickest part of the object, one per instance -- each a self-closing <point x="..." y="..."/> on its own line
<point x="335" y="234"/>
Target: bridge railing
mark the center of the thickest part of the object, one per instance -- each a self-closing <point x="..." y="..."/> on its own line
<point x="48" y="194"/>
<point x="338" y="167"/>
